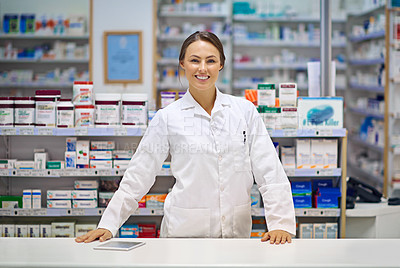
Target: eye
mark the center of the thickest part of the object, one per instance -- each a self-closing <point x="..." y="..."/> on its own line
<point x="194" y="60"/>
<point x="211" y="61"/>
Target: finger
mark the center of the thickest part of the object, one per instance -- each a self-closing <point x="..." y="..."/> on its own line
<point x="265" y="237"/>
<point x="105" y="236"/>
<point x="278" y="239"/>
<point x="82" y="238"/>
<point x="289" y="240"/>
<point x="272" y="238"/>
<point x="284" y="239"/>
<point x="94" y="236"/>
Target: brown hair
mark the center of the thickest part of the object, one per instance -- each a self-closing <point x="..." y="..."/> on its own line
<point x="203" y="36"/>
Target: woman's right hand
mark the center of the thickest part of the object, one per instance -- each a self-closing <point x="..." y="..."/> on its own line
<point x="101" y="234"/>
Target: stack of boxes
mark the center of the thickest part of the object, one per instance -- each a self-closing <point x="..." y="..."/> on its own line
<point x="301" y="192"/>
<point x="148" y="230"/>
<point x="55" y="229"/>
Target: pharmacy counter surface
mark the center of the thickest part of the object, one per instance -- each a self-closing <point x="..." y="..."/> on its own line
<point x="64" y="252"/>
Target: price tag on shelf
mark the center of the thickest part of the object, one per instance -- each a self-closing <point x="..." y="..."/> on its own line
<point x="45" y="131"/>
<point x="81" y="131"/>
<point x="24" y="212"/>
<point x="6" y="212"/>
<point x="313" y="212"/>
<point x="23" y="172"/>
<point x="39" y="212"/>
<point x="290" y="132"/>
<point x="8" y="131"/>
<point x="290" y="172"/>
<point x="78" y="212"/>
<point x="4" y="172"/>
<point x="120" y="132"/>
<point x="324" y="132"/>
<point x="29" y="131"/>
<point x="104" y="172"/>
<point x="325" y="172"/>
<point x="38" y="173"/>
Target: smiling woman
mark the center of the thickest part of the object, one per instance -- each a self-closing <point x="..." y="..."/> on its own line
<point x="218" y="145"/>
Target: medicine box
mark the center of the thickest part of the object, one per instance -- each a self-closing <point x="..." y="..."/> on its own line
<point x="321" y="184"/>
<point x="70" y="144"/>
<point x="303" y="150"/>
<point x="7" y="163"/>
<point x="330" y="153"/>
<point x="45" y="230"/>
<point x="288" y="94"/>
<point x="323" y="112"/>
<point x="101" y="164"/>
<point x="105" y="198"/>
<point x="319" y="230"/>
<point x="81" y="229"/>
<point x="36" y="198"/>
<point x="70" y="159"/>
<point x="155" y="200"/>
<point x="86" y="184"/>
<point x="27" y="198"/>
<point x="288" y="118"/>
<point x="25" y="165"/>
<point x="266" y="97"/>
<point x="33" y="230"/>
<point x="288" y="157"/>
<point x="122" y="155"/>
<point x="84" y="194"/>
<point x="58" y="194"/>
<point x="331" y="230"/>
<point x="59" y="203"/>
<point x="301" y="187"/>
<point x="306" y="230"/>
<point x="40" y="160"/>
<point x="142" y="202"/>
<point x="317" y="153"/>
<point x="302" y="201"/>
<point x="21" y="230"/>
<point x="62" y="229"/>
<point x="55" y="164"/>
<point x="166" y="169"/>
<point x="84" y="203"/>
<point x="257" y="233"/>
<point x="148" y="230"/>
<point x="100" y="155"/>
<point x="327" y="201"/>
<point x="255" y="197"/>
<point x="8" y="230"/>
<point x="102" y="145"/>
<point x="82" y="152"/>
<point x="129" y="231"/>
<point x="121" y="164"/>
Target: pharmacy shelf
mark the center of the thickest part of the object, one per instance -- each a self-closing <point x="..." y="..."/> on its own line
<point x="274" y="66"/>
<point x="46" y="61"/>
<point x="377" y="89"/>
<point x="304" y="212"/>
<point x="366" y="62"/>
<point x="70" y="172"/>
<point x="89" y="131"/>
<point x="199" y="14"/>
<point x="302" y="133"/>
<point x="168" y="61"/>
<point x="270" y="43"/>
<point x="255" y="18"/>
<point x="37" y="84"/>
<point x="314" y="172"/>
<point x="182" y="37"/>
<point x="366" y="174"/>
<point x="378" y="8"/>
<point x="73" y="212"/>
<point x="44" y="37"/>
<point x="365" y="112"/>
<point x="367" y="37"/>
<point x="368" y="145"/>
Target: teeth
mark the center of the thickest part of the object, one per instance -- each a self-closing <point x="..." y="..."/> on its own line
<point x="202" y="77"/>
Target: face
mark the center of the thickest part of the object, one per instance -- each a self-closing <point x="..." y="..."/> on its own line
<point x="202" y="65"/>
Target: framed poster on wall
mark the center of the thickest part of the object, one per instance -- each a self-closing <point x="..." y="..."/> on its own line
<point x="122" y="57"/>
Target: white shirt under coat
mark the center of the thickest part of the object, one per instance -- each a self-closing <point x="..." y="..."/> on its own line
<point x="213" y="159"/>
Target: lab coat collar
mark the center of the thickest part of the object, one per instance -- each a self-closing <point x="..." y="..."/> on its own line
<point x="188" y="102"/>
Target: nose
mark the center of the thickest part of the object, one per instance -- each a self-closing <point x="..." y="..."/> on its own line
<point x="202" y="66"/>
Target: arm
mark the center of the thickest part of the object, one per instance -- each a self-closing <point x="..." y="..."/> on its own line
<point x="272" y="181"/>
<point x="137" y="181"/>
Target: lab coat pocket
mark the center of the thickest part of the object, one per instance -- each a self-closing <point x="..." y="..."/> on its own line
<point x="189" y="222"/>
<point x="240" y="151"/>
<point x="242" y="221"/>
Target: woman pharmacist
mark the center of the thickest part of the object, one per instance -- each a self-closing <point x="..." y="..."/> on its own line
<point x="218" y="144"/>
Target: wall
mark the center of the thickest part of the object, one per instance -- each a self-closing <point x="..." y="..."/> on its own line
<point x="133" y="15"/>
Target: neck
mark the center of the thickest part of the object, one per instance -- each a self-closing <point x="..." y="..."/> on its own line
<point x="206" y="99"/>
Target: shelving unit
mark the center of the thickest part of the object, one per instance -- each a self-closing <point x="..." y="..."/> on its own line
<point x="365" y="93"/>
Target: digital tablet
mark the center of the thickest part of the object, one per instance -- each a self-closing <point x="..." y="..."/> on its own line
<point x="119" y="245"/>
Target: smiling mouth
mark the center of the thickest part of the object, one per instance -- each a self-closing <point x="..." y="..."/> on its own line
<point x="202" y="77"/>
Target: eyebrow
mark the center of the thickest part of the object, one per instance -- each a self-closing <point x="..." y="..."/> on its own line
<point x="212" y="56"/>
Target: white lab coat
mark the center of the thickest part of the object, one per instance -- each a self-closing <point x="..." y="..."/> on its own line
<point x="213" y="159"/>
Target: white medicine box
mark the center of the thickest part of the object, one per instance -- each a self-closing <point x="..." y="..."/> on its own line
<point x="323" y="112"/>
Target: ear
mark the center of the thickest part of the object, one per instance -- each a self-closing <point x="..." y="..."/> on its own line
<point x="221" y="67"/>
<point x="181" y="64"/>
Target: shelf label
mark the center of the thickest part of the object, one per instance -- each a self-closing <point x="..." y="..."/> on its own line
<point x="9" y="131"/>
<point x="24" y="212"/>
<point x="313" y="212"/>
<point x="290" y="172"/>
<point x="290" y="132"/>
<point x="39" y="212"/>
<point x="104" y="172"/>
<point x="324" y="132"/>
<point x="120" y="132"/>
<point x="23" y="172"/>
<point x="4" y="172"/>
<point x="324" y="172"/>
<point x="6" y="212"/>
<point x="26" y="131"/>
<point x="38" y="173"/>
<point x="45" y="131"/>
<point x="81" y="131"/>
<point x="78" y="212"/>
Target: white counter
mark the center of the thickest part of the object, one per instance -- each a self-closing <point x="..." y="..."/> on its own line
<point x="64" y="252"/>
<point x="373" y="220"/>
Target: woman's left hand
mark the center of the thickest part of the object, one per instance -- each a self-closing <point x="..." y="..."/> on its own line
<point x="277" y="237"/>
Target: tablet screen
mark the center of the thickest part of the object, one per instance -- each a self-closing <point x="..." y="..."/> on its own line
<point x="119" y="245"/>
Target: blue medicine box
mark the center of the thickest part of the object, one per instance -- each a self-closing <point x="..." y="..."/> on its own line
<point x="301" y="188"/>
<point x="129" y="231"/>
<point x="303" y="201"/>
<point x="321" y="184"/>
<point x="327" y="198"/>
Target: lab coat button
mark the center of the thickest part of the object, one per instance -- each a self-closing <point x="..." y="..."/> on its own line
<point x="219" y="157"/>
<point x="222" y="188"/>
<point x="223" y="218"/>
